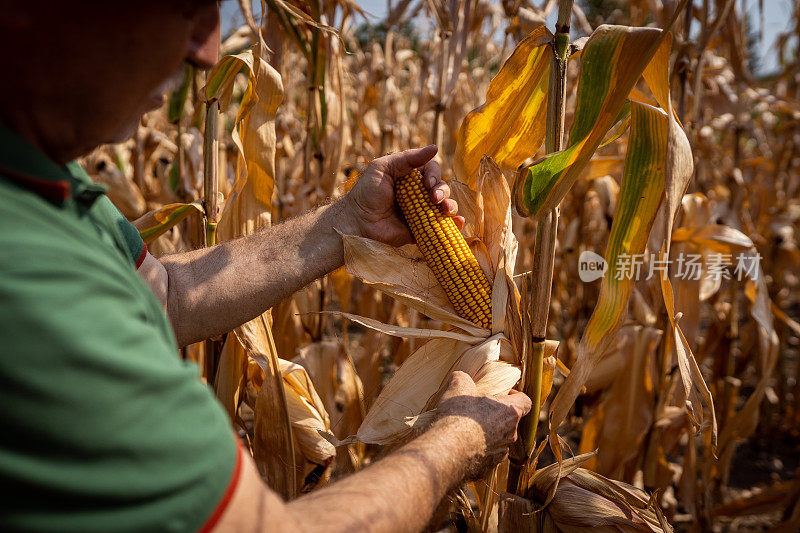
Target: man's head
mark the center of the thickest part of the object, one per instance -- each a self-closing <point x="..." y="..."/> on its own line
<point x="79" y="74"/>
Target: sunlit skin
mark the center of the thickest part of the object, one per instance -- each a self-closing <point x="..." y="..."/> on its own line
<point x="72" y="90"/>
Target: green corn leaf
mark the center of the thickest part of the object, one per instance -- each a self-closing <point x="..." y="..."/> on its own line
<point x="219" y="82"/>
<point x="613" y="59"/>
<point x="640" y="197"/>
<point x="173" y="176"/>
<point x="155" y="223"/>
<point x="177" y="100"/>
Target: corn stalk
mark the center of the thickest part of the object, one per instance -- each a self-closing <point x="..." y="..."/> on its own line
<point x="544" y="252"/>
<point x="211" y="207"/>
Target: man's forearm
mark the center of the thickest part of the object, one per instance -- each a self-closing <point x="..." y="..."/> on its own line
<point x="213" y="290"/>
<point x="404" y="488"/>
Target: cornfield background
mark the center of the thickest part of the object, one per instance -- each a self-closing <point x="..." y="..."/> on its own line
<point x="291" y="121"/>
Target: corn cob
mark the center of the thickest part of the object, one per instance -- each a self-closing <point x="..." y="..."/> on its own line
<point x="445" y="251"/>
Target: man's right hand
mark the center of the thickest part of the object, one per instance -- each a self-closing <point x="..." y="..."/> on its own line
<point x="371" y="204"/>
<point x="488" y="422"/>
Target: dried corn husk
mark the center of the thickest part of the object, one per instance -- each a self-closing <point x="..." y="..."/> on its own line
<point x="583" y="502"/>
<point x="490" y="357"/>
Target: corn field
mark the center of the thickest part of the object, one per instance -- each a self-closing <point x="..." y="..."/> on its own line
<point x="630" y="187"/>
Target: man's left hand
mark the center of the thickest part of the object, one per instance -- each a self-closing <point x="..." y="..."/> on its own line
<point x="372" y="202"/>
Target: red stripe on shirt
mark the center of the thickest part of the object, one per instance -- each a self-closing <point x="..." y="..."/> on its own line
<point x="141" y="257"/>
<point x="51" y="190"/>
<point x="228" y="496"/>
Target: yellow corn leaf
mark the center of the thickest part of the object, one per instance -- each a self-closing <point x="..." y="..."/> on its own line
<point x="612" y="61"/>
<point x="157" y="222"/>
<point x="678" y="166"/>
<point x="219" y="81"/>
<point x="656" y="74"/>
<point x="249" y="205"/>
<point x="510" y="126"/>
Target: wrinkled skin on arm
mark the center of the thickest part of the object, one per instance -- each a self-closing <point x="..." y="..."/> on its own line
<point x="213" y="290"/>
<point x="400" y="492"/>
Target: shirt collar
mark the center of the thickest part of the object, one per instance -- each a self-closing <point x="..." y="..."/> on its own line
<point x="28" y="168"/>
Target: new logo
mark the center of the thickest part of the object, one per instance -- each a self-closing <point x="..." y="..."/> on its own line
<point x="591" y="266"/>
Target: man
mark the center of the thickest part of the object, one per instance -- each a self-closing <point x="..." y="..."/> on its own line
<point x="103" y="427"/>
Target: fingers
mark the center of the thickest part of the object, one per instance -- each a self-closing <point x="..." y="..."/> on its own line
<point x="399" y="164"/>
<point x="432" y="174"/>
<point x="432" y="178"/>
<point x="449" y="207"/>
<point x="439" y="192"/>
<point x="460" y="221"/>
<point x="518" y="401"/>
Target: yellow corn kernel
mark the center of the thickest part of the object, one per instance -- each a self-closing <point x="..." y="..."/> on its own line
<point x="445" y="251"/>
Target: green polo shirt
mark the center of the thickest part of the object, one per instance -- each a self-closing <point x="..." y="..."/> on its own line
<point x="102" y="426"/>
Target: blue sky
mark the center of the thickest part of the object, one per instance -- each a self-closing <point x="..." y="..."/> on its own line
<point x="777" y="18"/>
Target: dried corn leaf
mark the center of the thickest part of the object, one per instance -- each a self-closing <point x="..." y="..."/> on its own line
<point x="273" y="442"/>
<point x="408" y="332"/>
<point x="403" y="274"/>
<point x="339" y="386"/>
<point x="494" y="197"/>
<point x="695" y="391"/>
<point x="307" y="413"/>
<point x="249" y="205"/>
<point x="248" y="208"/>
<point x="409" y="390"/>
